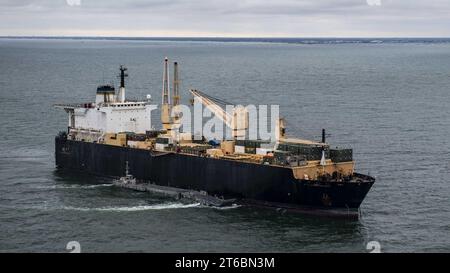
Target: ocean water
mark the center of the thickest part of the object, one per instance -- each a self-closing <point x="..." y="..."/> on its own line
<point x="389" y="100"/>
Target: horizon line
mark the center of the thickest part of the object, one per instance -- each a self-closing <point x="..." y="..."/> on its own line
<point x="215" y="37"/>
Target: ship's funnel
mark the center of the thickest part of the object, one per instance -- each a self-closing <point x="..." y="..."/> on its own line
<point x="105" y="94"/>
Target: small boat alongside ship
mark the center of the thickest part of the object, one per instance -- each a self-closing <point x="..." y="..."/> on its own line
<point x="201" y="197"/>
<point x="113" y="137"/>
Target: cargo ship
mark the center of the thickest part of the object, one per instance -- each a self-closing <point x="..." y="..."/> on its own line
<point x="113" y="134"/>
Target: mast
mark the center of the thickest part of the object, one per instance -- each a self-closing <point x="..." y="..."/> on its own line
<point x="123" y="75"/>
<point x="175" y="88"/>
<point x="165" y="91"/>
<point x="165" y="104"/>
<point x="176" y="94"/>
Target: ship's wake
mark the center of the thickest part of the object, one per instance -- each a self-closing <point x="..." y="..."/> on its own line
<point x="73" y="186"/>
<point x="135" y="208"/>
<point x="233" y="206"/>
<point x="160" y="206"/>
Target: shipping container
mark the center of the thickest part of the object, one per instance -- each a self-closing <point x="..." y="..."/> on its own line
<point x="251" y="143"/>
<point x="250" y="150"/>
<point x="310" y="152"/>
<point x="341" y="155"/>
<point x="239" y="149"/>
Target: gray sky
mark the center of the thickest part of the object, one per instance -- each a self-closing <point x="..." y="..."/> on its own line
<point x="235" y="18"/>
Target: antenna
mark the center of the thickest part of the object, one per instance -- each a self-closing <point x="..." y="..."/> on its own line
<point x="123" y="74"/>
<point x="324" y="136"/>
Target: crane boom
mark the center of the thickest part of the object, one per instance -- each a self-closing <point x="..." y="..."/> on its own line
<point x="237" y="121"/>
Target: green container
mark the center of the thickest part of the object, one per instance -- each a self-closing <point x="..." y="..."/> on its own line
<point x="249" y="150"/>
<point x="341" y="155"/>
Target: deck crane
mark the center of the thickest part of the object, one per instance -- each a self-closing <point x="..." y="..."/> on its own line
<point x="176" y="96"/>
<point x="165" y="104"/>
<point x="237" y="120"/>
<point x="175" y="86"/>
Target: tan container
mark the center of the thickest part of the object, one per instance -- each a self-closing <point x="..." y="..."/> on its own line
<point x="116" y="139"/>
<point x="122" y="136"/>
<point x="227" y="147"/>
<point x="214" y="152"/>
<point x="185" y="138"/>
<point x="313" y="170"/>
<point x="145" y="145"/>
<point x="133" y="144"/>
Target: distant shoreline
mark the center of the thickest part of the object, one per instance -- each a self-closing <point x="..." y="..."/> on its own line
<point x="290" y="40"/>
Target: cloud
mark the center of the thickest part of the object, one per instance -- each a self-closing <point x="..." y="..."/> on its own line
<point x="310" y="18"/>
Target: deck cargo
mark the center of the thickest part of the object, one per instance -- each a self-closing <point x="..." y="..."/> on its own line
<point x="114" y="135"/>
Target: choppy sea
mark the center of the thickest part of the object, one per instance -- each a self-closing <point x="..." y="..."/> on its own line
<point x="388" y="99"/>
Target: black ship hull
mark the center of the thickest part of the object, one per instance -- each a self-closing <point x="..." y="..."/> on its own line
<point x="258" y="184"/>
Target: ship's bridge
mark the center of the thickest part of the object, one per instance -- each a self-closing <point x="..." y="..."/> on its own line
<point x="111" y="112"/>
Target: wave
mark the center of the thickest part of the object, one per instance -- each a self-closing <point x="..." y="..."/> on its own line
<point x="135" y="208"/>
<point x="74" y="186"/>
<point x="162" y="206"/>
<point x="25" y="154"/>
<point x="234" y="206"/>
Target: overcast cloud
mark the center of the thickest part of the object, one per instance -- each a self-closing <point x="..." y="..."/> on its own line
<point x="255" y="18"/>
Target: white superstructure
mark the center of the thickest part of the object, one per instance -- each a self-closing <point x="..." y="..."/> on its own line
<point x="111" y="113"/>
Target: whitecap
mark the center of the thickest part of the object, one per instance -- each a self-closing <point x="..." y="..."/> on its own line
<point x="73" y="186"/>
<point x="135" y="208"/>
<point x="233" y="206"/>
